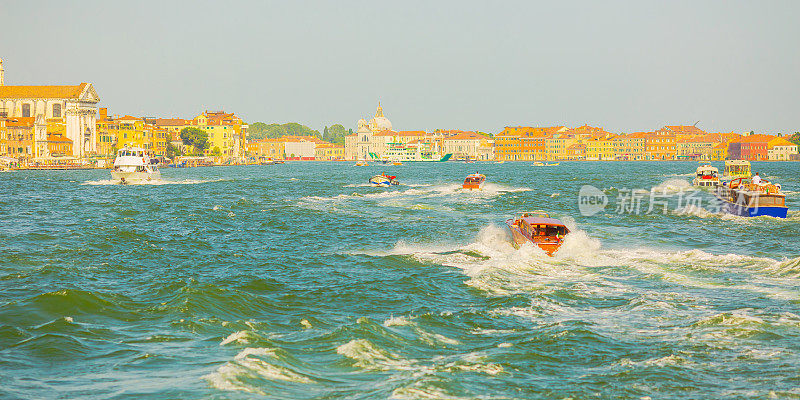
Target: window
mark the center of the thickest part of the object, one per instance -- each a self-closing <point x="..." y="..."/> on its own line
<point x="26" y="110"/>
<point x="56" y="110"/>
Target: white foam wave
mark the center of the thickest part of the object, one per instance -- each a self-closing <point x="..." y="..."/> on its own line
<point x="672" y="186"/>
<point x="152" y="183"/>
<point x="259" y="362"/>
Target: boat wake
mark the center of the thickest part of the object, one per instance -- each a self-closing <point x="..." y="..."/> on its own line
<point x="157" y="182"/>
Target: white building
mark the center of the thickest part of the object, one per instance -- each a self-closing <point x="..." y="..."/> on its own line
<point x="299" y="147"/>
<point x="75" y="105"/>
<point x="780" y="149"/>
<point x="469" y="145"/>
<point x="365" y="142"/>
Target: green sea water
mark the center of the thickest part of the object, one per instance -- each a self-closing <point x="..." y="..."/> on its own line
<point x="299" y="281"/>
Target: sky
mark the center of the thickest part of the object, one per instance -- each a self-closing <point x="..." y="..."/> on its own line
<point x="626" y="66"/>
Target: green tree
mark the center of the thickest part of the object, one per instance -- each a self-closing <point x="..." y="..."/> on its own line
<point x="216" y="151"/>
<point x="795" y="138"/>
<point x="196" y="138"/>
<point x="336" y="134"/>
<point x="172" y="151"/>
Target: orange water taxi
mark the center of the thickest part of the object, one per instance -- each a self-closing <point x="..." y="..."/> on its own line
<point x="538" y="228"/>
<point x="474" y="181"/>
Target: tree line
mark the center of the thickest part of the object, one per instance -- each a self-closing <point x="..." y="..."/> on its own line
<point x="261" y="130"/>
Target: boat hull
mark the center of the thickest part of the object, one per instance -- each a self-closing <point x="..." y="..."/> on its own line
<point x="745" y="211"/>
<point x="382" y="181"/>
<point x="134" y="177"/>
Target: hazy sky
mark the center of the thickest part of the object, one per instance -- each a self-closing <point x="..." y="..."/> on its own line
<point x="625" y="66"/>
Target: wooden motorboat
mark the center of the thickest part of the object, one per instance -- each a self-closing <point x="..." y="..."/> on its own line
<point x="539" y="228"/>
<point x="474" y="181"/>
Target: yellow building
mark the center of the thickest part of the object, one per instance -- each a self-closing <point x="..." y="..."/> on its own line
<point x="557" y="146"/>
<point x="269" y="148"/>
<point x="226" y="132"/>
<point x="118" y="132"/>
<point x="600" y="148"/>
<point x="780" y="149"/>
<point x="328" y="152"/>
<point x="660" y="145"/>
<point x="630" y="147"/>
<point x="719" y="152"/>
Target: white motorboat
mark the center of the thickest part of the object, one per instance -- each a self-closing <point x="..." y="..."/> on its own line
<point x="134" y="165"/>
<point x="706" y="176"/>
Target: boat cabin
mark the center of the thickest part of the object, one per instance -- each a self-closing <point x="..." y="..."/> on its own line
<point x="737" y="168"/>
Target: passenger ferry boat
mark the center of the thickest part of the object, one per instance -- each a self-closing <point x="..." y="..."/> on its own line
<point x="737" y="169"/>
<point x="744" y="198"/>
<point x="134" y="165"/>
<point x="706" y="176"/>
<point x="416" y="152"/>
<point x="474" y="181"/>
<point x="538" y="228"/>
<point x="383" y="180"/>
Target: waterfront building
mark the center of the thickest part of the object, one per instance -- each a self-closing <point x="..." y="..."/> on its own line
<point x="299" y="147"/>
<point x="17" y="138"/>
<point x="269" y="148"/>
<point x="58" y="144"/>
<point x="682" y="130"/>
<point x="600" y="147"/>
<point x="576" y="152"/>
<point x="350" y="148"/>
<point x="780" y="149"/>
<point x="719" y="152"/>
<point x="76" y="105"/>
<point x="328" y="152"/>
<point x="524" y="143"/>
<point x="366" y="138"/>
<point x="661" y="144"/>
<point x="226" y="133"/>
<point x="699" y="148"/>
<point x="468" y="146"/>
<point x="630" y="147"/>
<point x="556" y="146"/>
<point x="751" y="148"/>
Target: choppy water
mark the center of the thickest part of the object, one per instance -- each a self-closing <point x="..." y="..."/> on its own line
<point x="298" y="281"/>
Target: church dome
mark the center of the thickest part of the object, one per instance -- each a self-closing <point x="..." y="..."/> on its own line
<point x="378" y="124"/>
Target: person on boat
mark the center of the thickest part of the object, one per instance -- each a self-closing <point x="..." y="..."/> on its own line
<point x="756" y="179"/>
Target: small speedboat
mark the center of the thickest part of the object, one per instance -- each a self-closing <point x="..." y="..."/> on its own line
<point x="134" y="165"/>
<point x="538" y="164"/>
<point x="552" y="164"/>
<point x="706" y="176"/>
<point x="383" y="180"/>
<point x="362" y="163"/>
<point x="538" y="228"/>
<point x="474" y="181"/>
<point x="744" y="198"/>
<point x="397" y="163"/>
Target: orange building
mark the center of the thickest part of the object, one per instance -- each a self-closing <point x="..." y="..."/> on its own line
<point x="524" y="143"/>
<point x="17" y="137"/>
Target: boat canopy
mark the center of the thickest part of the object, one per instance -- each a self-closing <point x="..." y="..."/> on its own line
<point x="543" y="221"/>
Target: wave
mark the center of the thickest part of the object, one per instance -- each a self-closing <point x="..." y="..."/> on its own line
<point x="251" y="367"/>
<point x="153" y="183"/>
<point x="422" y="191"/>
